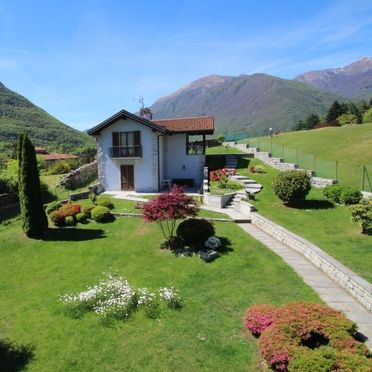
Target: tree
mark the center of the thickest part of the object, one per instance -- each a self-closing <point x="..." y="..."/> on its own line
<point x="362" y="213"/>
<point x="167" y="208"/>
<point x="311" y="120"/>
<point x="347" y="119"/>
<point x="367" y="117"/>
<point x="34" y="220"/>
<point x="334" y="112"/>
<point x="353" y="110"/>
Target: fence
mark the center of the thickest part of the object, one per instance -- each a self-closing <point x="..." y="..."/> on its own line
<point x="359" y="176"/>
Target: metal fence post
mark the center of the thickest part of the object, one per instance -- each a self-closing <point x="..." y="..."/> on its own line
<point x="363" y="176"/>
<point x="314" y="163"/>
<point x="283" y="152"/>
<point x="258" y="141"/>
<point x="297" y="155"/>
<point x="336" y="169"/>
<point x="271" y="145"/>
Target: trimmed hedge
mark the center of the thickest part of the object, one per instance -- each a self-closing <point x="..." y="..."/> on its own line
<point x="341" y="194"/>
<point x="104" y="201"/>
<point x="101" y="214"/>
<point x="292" y="186"/>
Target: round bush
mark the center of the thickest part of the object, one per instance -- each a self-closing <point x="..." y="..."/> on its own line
<point x="81" y="218"/>
<point x="333" y="193"/>
<point x="292" y="186"/>
<point x="195" y="231"/>
<point x="101" y="214"/>
<point x="104" y="201"/>
<point x="58" y="218"/>
<point x="87" y="210"/>
<point x="53" y="206"/>
<point x="350" y="196"/>
<point x="70" y="221"/>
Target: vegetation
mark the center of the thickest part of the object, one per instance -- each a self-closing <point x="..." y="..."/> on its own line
<point x="291" y="186"/>
<point x="18" y="115"/>
<point x="362" y="213"/>
<point x="34" y="220"/>
<point x="101" y="214"/>
<point x="209" y="324"/>
<point x="291" y="334"/>
<point x="167" y="208"/>
<point x="350" y="146"/>
<point x="104" y="201"/>
<point x="335" y="233"/>
<point x="195" y="232"/>
<point x="342" y="194"/>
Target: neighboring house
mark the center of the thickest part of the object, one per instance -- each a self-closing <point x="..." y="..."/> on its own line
<point x="144" y="155"/>
<point x="52" y="157"/>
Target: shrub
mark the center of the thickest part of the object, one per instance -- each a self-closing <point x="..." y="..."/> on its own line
<point x="53" y="206"/>
<point x="87" y="210"/>
<point x="342" y="194"/>
<point x="256" y="169"/>
<point x="70" y="221"/>
<point x="104" y="201"/>
<point x="93" y="197"/>
<point x="333" y="193"/>
<point x="297" y="336"/>
<point x="58" y="218"/>
<point x="291" y="186"/>
<point x="350" y="196"/>
<point x="101" y="214"/>
<point x="362" y="213"/>
<point x="258" y="317"/>
<point x="60" y="167"/>
<point x="81" y="218"/>
<point x="194" y="231"/>
<point x="70" y="209"/>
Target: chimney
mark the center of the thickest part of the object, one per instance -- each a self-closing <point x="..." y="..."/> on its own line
<point x="146" y="113"/>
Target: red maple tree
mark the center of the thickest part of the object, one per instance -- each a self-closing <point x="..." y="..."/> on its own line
<point x="166" y="208"/>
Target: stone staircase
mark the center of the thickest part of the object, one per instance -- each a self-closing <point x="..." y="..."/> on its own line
<point x="250" y="186"/>
<point x="231" y="162"/>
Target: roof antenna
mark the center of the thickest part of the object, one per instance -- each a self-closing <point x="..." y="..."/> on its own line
<point x="142" y="102"/>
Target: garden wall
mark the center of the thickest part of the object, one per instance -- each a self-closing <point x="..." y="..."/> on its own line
<point x="351" y="282"/>
<point x="80" y="176"/>
<point x="217" y="201"/>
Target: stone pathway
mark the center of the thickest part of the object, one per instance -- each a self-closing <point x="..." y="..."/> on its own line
<point x="328" y="290"/>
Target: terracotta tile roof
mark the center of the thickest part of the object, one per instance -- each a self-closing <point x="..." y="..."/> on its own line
<point x="202" y="124"/>
<point x="55" y="156"/>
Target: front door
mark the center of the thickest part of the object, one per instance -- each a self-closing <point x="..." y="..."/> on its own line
<point x="127" y="177"/>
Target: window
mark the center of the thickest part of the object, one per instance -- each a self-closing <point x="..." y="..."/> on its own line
<point x="195" y="144"/>
<point x="126" y="144"/>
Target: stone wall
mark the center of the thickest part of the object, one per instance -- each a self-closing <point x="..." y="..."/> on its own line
<point x="79" y="177"/>
<point x="278" y="163"/>
<point x="217" y="201"/>
<point x="351" y="282"/>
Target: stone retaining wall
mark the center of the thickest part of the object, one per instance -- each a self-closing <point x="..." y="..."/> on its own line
<point x="278" y="163"/>
<point x="80" y="176"/>
<point x="217" y="201"/>
<point x="351" y="282"/>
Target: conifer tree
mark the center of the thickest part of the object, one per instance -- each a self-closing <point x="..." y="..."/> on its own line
<point x="334" y="112"/>
<point x="34" y="220"/>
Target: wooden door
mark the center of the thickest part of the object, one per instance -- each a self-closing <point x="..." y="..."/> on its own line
<point x="127" y="177"/>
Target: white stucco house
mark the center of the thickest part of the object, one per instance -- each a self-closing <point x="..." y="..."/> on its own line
<point x="144" y="155"/>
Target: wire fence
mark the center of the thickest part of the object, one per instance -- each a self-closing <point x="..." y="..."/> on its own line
<point x="359" y="176"/>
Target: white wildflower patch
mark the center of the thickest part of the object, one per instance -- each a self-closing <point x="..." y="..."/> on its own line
<point x="213" y="242"/>
<point x="114" y="297"/>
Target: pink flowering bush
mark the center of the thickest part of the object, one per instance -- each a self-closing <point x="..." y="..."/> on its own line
<point x="222" y="176"/>
<point x="296" y="329"/>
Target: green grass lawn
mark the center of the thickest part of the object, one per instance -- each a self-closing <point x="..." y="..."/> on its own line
<point x="351" y="146"/>
<point x="222" y="150"/>
<point x="328" y="227"/>
<point x="205" y="335"/>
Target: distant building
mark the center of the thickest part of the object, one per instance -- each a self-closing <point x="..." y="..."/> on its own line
<point x="51" y="157"/>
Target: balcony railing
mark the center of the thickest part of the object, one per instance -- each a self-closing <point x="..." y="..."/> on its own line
<point x="126" y="152"/>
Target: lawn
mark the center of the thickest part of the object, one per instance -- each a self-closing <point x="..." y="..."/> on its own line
<point x="329" y="227"/>
<point x="320" y="148"/>
<point x="222" y="150"/>
<point x="205" y="335"/>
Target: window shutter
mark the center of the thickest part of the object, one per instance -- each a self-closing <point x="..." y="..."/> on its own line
<point x="137" y="138"/>
<point x="115" y="139"/>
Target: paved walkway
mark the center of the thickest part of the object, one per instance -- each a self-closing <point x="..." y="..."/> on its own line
<point x="328" y="290"/>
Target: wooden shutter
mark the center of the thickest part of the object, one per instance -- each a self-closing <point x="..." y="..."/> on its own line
<point x="115" y="144"/>
<point x="137" y="138"/>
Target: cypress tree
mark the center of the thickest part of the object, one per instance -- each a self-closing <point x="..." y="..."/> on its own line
<point x="34" y="220"/>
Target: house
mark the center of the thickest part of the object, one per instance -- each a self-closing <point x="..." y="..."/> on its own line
<point x="144" y="155"/>
<point x="52" y="157"/>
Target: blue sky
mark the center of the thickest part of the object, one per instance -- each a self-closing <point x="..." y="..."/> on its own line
<point x="84" y="60"/>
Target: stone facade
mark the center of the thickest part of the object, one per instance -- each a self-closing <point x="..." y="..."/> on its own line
<point x="351" y="282"/>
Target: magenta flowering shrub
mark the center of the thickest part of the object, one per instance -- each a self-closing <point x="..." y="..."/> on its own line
<point x="292" y="333"/>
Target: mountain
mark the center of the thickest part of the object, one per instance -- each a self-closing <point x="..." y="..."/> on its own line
<point x="353" y="81"/>
<point x="245" y="103"/>
<point x="19" y="115"/>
